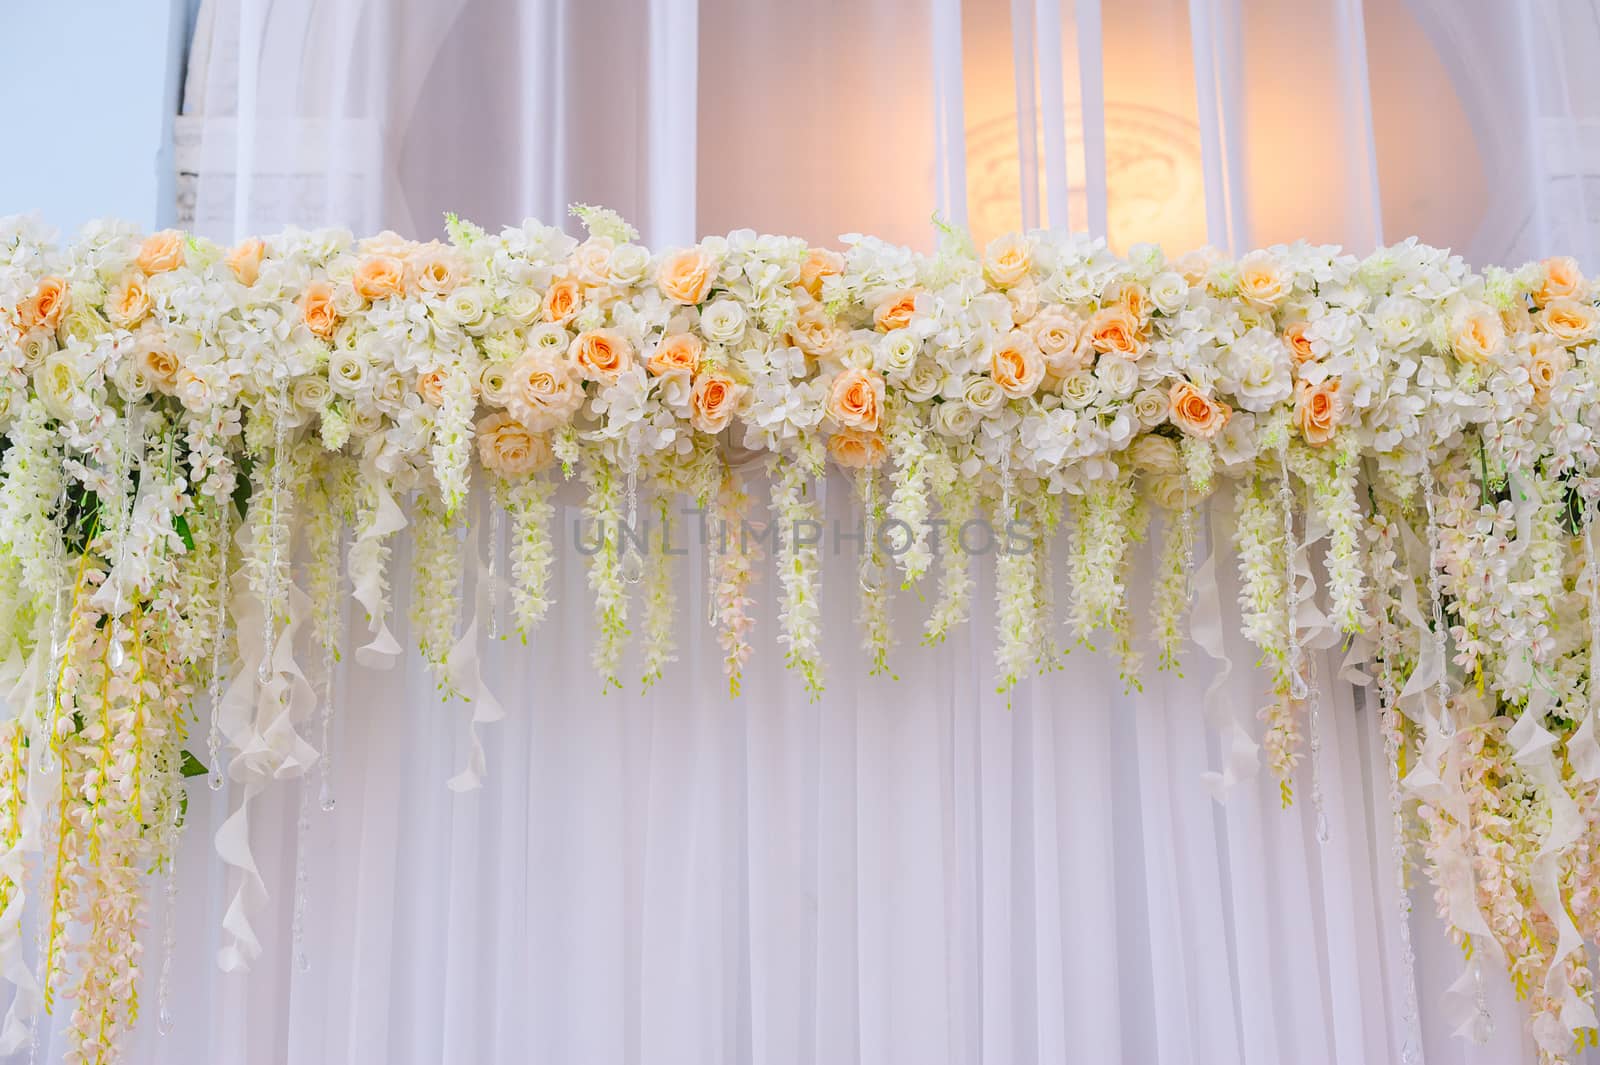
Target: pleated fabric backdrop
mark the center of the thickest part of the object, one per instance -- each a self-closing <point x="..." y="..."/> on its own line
<point x="917" y="869"/>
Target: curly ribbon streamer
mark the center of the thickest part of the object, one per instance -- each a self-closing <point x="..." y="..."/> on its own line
<point x="1239" y="750"/>
<point x="366" y="577"/>
<point x="259" y="722"/>
<point x="1533" y="747"/>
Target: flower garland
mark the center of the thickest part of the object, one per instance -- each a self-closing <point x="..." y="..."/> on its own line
<point x="193" y="435"/>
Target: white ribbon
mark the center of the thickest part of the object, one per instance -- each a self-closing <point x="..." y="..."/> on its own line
<point x="466" y="674"/>
<point x="1239" y="761"/>
<point x="367" y="577"/>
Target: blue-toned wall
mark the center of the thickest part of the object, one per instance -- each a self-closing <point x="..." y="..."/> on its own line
<point x="90" y="88"/>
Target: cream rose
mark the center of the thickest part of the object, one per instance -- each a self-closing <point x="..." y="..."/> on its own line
<point x="245" y="260"/>
<point x="161" y="252"/>
<point x="129" y="302"/>
<point x="1568" y="320"/>
<point x="601" y="355"/>
<point x="722" y="321"/>
<point x="1194" y="412"/>
<point x="1546" y="364"/>
<point x="815" y="333"/>
<point x="1317" y="410"/>
<point x="509" y="448"/>
<point x="629" y="264"/>
<point x="857" y="450"/>
<point x="543" y="391"/>
<point x="855" y="399"/>
<point x="159" y="366"/>
<point x="1562" y="280"/>
<point x="1262" y="280"/>
<point x="1155" y="454"/>
<point x="437" y="270"/>
<point x="1055" y="333"/>
<point x="1016" y="365"/>
<point x="1477" y="335"/>
<point x="685" y="277"/>
<point x="714" y="401"/>
<point x="380" y="277"/>
<point x="1007" y="260"/>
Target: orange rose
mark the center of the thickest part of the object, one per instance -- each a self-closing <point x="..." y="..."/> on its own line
<point x="820" y="265"/>
<point x="380" y="277"/>
<point x="714" y="401"/>
<point x="855" y="399"/>
<point x="677" y="353"/>
<point x="1261" y="279"/>
<point x="1007" y="260"/>
<point x="1562" y="280"/>
<point x="129" y="302"/>
<point x="1196" y="413"/>
<point x="685" y="276"/>
<point x="45" y="307"/>
<point x="1115" y="331"/>
<point x="161" y="252"/>
<point x="430" y="386"/>
<point x="1477" y="335"/>
<point x="1016" y="365"/>
<point x="857" y="450"/>
<point x="1568" y="320"/>
<point x="894" y="311"/>
<point x="316" y="307"/>
<point x="1299" y="345"/>
<point x="511" y="449"/>
<point x="1317" y="410"/>
<point x="562" y="300"/>
<point x="601" y="354"/>
<point x="245" y="261"/>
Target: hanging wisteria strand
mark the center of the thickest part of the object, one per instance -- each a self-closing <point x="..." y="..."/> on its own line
<point x="207" y="451"/>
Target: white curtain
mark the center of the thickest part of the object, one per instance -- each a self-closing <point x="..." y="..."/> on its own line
<point x="910" y="870"/>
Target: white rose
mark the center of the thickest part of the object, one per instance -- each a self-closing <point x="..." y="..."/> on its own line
<point x="924" y="381"/>
<point x="629" y="264"/>
<point x="346" y="300"/>
<point x="1237" y="443"/>
<point x="522" y="306"/>
<point x="722" y="321"/>
<point x="983" y="395"/>
<point x="1119" y="378"/>
<point x="311" y="393"/>
<point x="348" y="373"/>
<point x="1079" y="388"/>
<point x="58" y="383"/>
<point x="858" y="352"/>
<point x="1261" y="369"/>
<point x="1399" y="321"/>
<point x="1156" y="454"/>
<point x="466" y="307"/>
<point x="954" y="419"/>
<point x="549" y="337"/>
<point x="897" y="353"/>
<point x="1169" y="292"/>
<point x="1150" y="407"/>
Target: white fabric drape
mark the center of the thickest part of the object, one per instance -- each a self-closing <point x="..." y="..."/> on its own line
<point x="911" y="870"/>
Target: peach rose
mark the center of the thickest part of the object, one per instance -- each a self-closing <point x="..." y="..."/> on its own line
<point x="1132" y="297"/>
<point x="161" y="252"/>
<point x="1196" y="413"/>
<point x="855" y="399"/>
<point x="380" y="277"/>
<point x="1547" y="363"/>
<point x="1317" y="410"/>
<point x="894" y="311"/>
<point x="245" y="260"/>
<point x="1007" y="260"/>
<point x="685" y="276"/>
<point x="430" y="386"/>
<point x="1568" y="320"/>
<point x="677" y="353"/>
<point x="815" y="332"/>
<point x="543" y="391"/>
<point x="601" y="355"/>
<point x="1262" y="280"/>
<point x="1299" y="345"/>
<point x="857" y="450"/>
<point x="1056" y="333"/>
<point x="562" y="300"/>
<point x="129" y="302"/>
<point x="437" y="270"/>
<point x="1195" y="266"/>
<point x="1477" y="335"/>
<point x="318" y="310"/>
<point x="511" y="449"/>
<point x="160" y="366"/>
<point x="1115" y="331"/>
<point x="45" y="307"/>
<point x="1562" y="280"/>
<point x="1016" y="365"/>
<point x="820" y="265"/>
<point x="714" y="401"/>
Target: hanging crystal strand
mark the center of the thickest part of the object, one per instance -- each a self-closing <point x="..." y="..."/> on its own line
<point x="1005" y="479"/>
<point x="169" y="916"/>
<point x="870" y="568"/>
<point x="1483" y="1030"/>
<point x="1590" y="558"/>
<point x="219" y="640"/>
<point x="632" y="562"/>
<point x="115" y="652"/>
<point x="325" y="725"/>
<point x="1389" y="714"/>
<point x="493" y="597"/>
<point x="275" y="528"/>
<point x="1436" y="594"/>
<point x="302" y="880"/>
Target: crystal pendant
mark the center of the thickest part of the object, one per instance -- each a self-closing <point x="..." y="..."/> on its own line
<point x="164" y="1021"/>
<point x="1298" y="689"/>
<point x="116" y="654"/>
<point x="631" y="566"/>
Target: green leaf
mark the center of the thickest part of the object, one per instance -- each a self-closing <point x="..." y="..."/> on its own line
<point x="192" y="766"/>
<point x="181" y="525"/>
